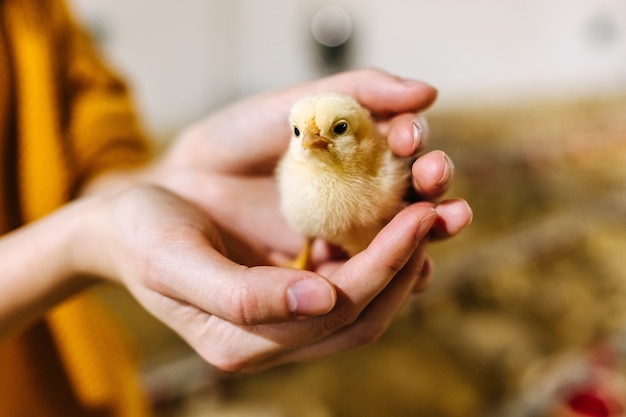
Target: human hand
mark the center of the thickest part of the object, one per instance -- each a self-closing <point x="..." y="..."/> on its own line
<point x="170" y="256"/>
<point x="231" y="157"/>
<point x="183" y="259"/>
<point x="225" y="166"/>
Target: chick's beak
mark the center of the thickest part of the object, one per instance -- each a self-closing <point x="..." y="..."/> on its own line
<point x="314" y="141"/>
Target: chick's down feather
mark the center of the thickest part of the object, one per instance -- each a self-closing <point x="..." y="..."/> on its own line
<point x="339" y="180"/>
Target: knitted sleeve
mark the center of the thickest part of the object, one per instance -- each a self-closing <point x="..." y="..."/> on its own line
<point x="71" y="119"/>
<point x="100" y="123"/>
<point x="74" y="116"/>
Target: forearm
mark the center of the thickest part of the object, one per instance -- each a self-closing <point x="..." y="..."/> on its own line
<point x="39" y="266"/>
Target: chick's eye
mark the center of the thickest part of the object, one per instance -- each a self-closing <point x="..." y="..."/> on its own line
<point x="296" y="131"/>
<point x="340" y="128"/>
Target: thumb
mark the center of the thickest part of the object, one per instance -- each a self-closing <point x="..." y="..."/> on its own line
<point x="266" y="294"/>
<point x="263" y="294"/>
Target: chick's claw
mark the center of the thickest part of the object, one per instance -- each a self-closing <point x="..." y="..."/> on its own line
<point x="303" y="260"/>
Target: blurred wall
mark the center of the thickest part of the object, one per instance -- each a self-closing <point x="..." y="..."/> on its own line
<point x="187" y="57"/>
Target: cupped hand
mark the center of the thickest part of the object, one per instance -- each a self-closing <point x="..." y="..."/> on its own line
<point x="200" y="252"/>
<point x="170" y="256"/>
<point x="225" y="163"/>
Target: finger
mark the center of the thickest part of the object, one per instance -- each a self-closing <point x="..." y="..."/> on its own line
<point x="407" y="134"/>
<point x="199" y="275"/>
<point x="432" y="174"/>
<point x="366" y="274"/>
<point x="454" y="215"/>
<point x="382" y="93"/>
<point x="361" y="278"/>
<point x="357" y="282"/>
<point x="370" y="325"/>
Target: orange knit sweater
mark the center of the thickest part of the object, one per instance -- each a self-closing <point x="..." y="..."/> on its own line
<point x="64" y="117"/>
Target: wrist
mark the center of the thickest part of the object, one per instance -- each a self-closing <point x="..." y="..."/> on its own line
<point x="68" y="234"/>
<point x="39" y="268"/>
<point x="90" y="239"/>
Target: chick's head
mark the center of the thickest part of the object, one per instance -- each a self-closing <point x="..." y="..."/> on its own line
<point x="329" y="127"/>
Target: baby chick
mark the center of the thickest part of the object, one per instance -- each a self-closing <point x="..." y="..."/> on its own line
<point x="338" y="179"/>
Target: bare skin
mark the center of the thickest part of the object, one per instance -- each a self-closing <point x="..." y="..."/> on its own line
<point x="195" y="235"/>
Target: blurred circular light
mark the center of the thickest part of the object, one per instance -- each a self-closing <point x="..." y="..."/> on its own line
<point x="331" y="26"/>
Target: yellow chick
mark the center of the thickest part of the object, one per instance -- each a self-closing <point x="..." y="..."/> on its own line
<point x="338" y="179"/>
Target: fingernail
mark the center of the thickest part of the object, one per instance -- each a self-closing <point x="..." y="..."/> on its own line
<point x="420" y="132"/>
<point x="426" y="223"/>
<point x="310" y="297"/>
<point x="468" y="208"/>
<point x="448" y="171"/>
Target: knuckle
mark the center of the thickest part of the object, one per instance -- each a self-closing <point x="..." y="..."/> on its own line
<point x="153" y="275"/>
<point x="390" y="265"/>
<point x="338" y="320"/>
<point x="231" y="367"/>
<point x="243" y="304"/>
<point x="368" y="333"/>
<point x="228" y="363"/>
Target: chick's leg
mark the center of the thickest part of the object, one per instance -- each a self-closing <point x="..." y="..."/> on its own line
<point x="303" y="260"/>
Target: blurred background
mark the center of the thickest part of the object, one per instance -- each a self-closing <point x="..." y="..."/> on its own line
<point x="526" y="313"/>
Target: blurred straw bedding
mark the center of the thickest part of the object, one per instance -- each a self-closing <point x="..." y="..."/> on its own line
<point x="516" y="302"/>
